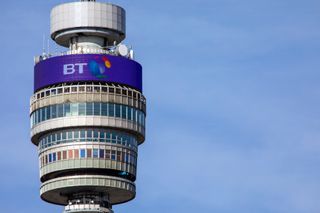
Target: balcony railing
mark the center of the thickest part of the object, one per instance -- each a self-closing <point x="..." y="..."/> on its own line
<point x="109" y="51"/>
<point x="94" y="208"/>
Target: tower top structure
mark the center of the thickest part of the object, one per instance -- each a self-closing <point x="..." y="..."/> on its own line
<point x="88" y="23"/>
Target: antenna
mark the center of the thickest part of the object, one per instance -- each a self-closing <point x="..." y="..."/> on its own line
<point x="48" y="46"/>
<point x="43" y="44"/>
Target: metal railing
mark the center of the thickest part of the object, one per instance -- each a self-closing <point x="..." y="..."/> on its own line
<point x="84" y="50"/>
<point x="94" y="208"/>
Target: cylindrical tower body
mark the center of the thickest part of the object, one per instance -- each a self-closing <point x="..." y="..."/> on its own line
<point x="88" y="111"/>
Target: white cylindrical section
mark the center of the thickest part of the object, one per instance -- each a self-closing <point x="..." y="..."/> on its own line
<point x="87" y="18"/>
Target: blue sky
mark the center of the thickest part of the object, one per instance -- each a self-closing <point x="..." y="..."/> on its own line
<point x="233" y="105"/>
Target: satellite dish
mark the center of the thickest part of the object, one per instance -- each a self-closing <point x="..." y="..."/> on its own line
<point x="122" y="50"/>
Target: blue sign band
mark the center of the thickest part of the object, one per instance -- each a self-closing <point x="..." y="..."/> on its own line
<point x="88" y="67"/>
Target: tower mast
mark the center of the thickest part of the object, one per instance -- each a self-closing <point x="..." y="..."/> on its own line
<point x="88" y="110"/>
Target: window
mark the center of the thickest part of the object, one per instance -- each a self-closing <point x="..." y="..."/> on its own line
<point x="89" y="89"/>
<point x="89" y="109"/>
<point x="124" y="112"/>
<point x="114" y="138"/>
<point x="135" y="115"/>
<point x="111" y="110"/>
<point x="82" y="109"/>
<point x="64" y="155"/>
<point x="96" y="108"/>
<point x="70" y="136"/>
<point x="102" y="135"/>
<point x="89" y="134"/>
<point x="66" y="110"/>
<point x="95" y="153"/>
<point x="117" y="110"/>
<point x="64" y="136"/>
<point x="89" y="153"/>
<point x="101" y="153"/>
<point x="104" y="89"/>
<point x="74" y="109"/>
<point x="76" y="154"/>
<point x="76" y="135"/>
<point x="126" y="160"/>
<point x="123" y="157"/>
<point x="118" y="156"/>
<point x="53" y="111"/>
<point x="113" y="155"/>
<point x="107" y="154"/>
<point x="82" y="153"/>
<point x="81" y="89"/>
<point x="129" y="113"/>
<point x="118" y="91"/>
<point x="48" y="112"/>
<point x="37" y="117"/>
<point x="43" y="114"/>
<point x="82" y="135"/>
<point x="96" y="89"/>
<point x="67" y="90"/>
<point x="60" y="111"/>
<point x="95" y="135"/>
<point x="70" y="154"/>
<point x="104" y="109"/>
<point x="54" y="157"/>
<point x="108" y="137"/>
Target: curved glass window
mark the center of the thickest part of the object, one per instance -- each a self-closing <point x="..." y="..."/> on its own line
<point x="89" y="108"/>
<point x="124" y="156"/>
<point x="88" y="135"/>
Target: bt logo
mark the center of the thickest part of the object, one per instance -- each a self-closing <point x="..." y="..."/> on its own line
<point x="69" y="69"/>
<point x="97" y="67"/>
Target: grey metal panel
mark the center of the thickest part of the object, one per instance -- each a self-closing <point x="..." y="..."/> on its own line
<point x="95" y="15"/>
<point x="56" y="190"/>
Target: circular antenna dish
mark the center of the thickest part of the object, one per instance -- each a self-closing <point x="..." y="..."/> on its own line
<point x="123" y="50"/>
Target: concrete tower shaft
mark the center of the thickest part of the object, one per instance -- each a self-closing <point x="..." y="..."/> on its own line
<point x="88" y="110"/>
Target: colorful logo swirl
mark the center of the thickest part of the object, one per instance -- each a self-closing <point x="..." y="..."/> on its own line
<point x="99" y="66"/>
